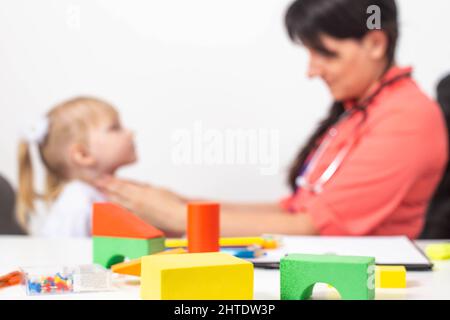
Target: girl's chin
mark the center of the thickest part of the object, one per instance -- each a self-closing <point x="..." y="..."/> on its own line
<point x="125" y="162"/>
<point x="132" y="159"/>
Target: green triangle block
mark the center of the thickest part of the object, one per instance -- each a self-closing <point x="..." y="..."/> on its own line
<point x="108" y="251"/>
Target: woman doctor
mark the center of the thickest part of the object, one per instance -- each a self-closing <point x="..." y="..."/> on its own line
<point x="372" y="164"/>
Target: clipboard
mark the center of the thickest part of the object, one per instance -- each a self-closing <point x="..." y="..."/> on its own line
<point x="392" y="251"/>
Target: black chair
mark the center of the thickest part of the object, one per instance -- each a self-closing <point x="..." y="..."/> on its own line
<point x="8" y="223"/>
<point x="437" y="222"/>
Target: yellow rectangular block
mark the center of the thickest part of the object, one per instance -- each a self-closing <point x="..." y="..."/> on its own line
<point x="390" y="277"/>
<point x="196" y="276"/>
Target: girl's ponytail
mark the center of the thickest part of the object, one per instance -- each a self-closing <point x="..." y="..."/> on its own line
<point x="26" y="194"/>
<point x="53" y="186"/>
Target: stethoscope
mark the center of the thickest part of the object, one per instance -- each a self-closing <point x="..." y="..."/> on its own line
<point x="316" y="187"/>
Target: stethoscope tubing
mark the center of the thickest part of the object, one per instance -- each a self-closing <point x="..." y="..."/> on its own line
<point x="317" y="187"/>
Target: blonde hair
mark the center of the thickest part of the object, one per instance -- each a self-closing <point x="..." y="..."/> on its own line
<point x="69" y="122"/>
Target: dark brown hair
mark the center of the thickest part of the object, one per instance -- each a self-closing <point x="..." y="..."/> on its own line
<point x="306" y="20"/>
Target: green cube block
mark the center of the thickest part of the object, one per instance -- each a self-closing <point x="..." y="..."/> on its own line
<point x="353" y="277"/>
<point x="108" y="251"/>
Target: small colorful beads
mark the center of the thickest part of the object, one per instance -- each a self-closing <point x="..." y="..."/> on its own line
<point x="50" y="284"/>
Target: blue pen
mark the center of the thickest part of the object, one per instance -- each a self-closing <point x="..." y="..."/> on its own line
<point x="244" y="252"/>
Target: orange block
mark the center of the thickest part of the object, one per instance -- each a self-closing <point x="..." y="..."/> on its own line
<point x="110" y="220"/>
<point x="203" y="227"/>
<point x="132" y="267"/>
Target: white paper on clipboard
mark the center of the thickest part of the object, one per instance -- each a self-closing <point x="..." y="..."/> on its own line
<point x="396" y="250"/>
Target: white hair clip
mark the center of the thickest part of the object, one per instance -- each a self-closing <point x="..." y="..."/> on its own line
<point x="36" y="131"/>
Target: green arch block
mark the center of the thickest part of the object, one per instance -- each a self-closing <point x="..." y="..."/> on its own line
<point x="353" y="277"/>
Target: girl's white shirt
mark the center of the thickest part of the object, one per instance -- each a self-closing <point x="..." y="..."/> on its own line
<point x="70" y="215"/>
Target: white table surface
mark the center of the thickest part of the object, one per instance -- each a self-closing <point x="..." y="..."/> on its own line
<point x="21" y="251"/>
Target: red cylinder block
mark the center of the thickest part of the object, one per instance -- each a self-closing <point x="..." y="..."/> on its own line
<point x="203" y="227"/>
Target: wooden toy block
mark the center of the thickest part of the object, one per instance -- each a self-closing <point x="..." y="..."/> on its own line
<point x="203" y="227"/>
<point x="194" y="276"/>
<point x="133" y="267"/>
<point x="108" y="251"/>
<point x="110" y="220"/>
<point x="390" y="277"/>
<point x="438" y="251"/>
<point x="353" y="277"/>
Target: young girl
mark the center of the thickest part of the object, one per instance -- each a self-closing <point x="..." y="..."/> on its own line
<point x="78" y="141"/>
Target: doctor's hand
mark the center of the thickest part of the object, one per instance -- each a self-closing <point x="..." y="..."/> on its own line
<point x="160" y="207"/>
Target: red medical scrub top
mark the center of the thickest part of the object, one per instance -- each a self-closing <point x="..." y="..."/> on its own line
<point x="386" y="180"/>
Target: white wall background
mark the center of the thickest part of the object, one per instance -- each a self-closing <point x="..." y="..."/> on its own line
<point x="169" y="63"/>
